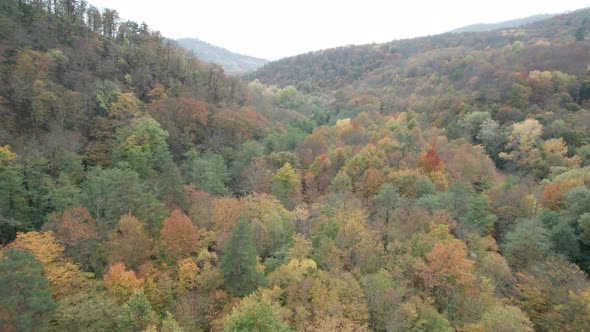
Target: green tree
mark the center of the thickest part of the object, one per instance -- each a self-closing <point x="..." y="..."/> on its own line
<point x="472" y="123"/>
<point x="504" y="318"/>
<point x="529" y="242"/>
<point x="490" y="135"/>
<point x="111" y="193"/>
<point x="255" y="313"/>
<point x="238" y="264"/>
<point x="64" y="194"/>
<point x="37" y="182"/>
<point x="289" y="97"/>
<point x="207" y="172"/>
<point x="106" y="93"/>
<point x="564" y="240"/>
<point x="584" y="225"/>
<point x="142" y="144"/>
<point x="478" y="216"/>
<point x="386" y="200"/>
<point x="169" y="324"/>
<point x="137" y="313"/>
<point x="26" y="303"/>
<point x="86" y="312"/>
<point x="563" y="236"/>
<point x="286" y="186"/>
<point x="415" y="315"/>
<point x="13" y="203"/>
<point x="383" y="297"/>
<point x="577" y="202"/>
<point x="243" y="156"/>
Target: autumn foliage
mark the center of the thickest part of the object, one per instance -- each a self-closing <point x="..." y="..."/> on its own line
<point x="120" y="282"/>
<point x="179" y="235"/>
<point x="446" y="266"/>
<point x="433" y="184"/>
<point x="430" y="161"/>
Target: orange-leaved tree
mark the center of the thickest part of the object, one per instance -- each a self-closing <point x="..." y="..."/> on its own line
<point x="179" y="235"/>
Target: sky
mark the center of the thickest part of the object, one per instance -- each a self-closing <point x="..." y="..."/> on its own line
<point x="272" y="29"/>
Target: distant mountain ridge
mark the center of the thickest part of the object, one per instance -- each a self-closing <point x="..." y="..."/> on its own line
<point x="376" y="65"/>
<point x="232" y="63"/>
<point x="480" y="27"/>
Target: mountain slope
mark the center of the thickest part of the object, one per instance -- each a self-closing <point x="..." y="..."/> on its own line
<point x="546" y="44"/>
<point x="480" y="27"/>
<point x="232" y="63"/>
<point x="440" y="183"/>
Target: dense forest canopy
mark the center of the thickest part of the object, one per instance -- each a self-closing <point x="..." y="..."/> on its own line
<point x="434" y="184"/>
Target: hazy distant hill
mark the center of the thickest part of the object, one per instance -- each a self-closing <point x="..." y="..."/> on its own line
<point x="479" y="27"/>
<point x="233" y="63"/>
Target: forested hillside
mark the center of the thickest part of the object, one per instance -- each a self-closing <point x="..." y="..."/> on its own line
<point x="479" y="27"/>
<point x="232" y="63"/>
<point x="433" y="184"/>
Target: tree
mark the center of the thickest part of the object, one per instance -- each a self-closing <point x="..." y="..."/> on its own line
<point x="470" y="164"/>
<point x="25" y="298"/>
<point x="86" y="311"/>
<point x="106" y="93"/>
<point x="179" y="234"/>
<point x="120" y="283"/>
<point x="77" y="231"/>
<point x="238" y="264"/>
<point x="226" y="212"/>
<point x="523" y="144"/>
<point x="243" y="157"/>
<point x="187" y="275"/>
<point x="430" y="161"/>
<point x="505" y="318"/>
<point x="446" y="267"/>
<point x="114" y="192"/>
<point x="257" y="177"/>
<point x="14" y="203"/>
<point x="415" y="315"/>
<point x="577" y="203"/>
<point x="143" y="147"/>
<point x="65" y="194"/>
<point x="554" y="152"/>
<point x="384" y="295"/>
<point x="584" y="225"/>
<point x="64" y="276"/>
<point x="386" y="200"/>
<point x="286" y="186"/>
<point x="289" y="97"/>
<point x="272" y="225"/>
<point x="491" y="137"/>
<point x="137" y="313"/>
<point x="564" y="240"/>
<point x="255" y="313"/>
<point x="169" y="324"/>
<point x="126" y="107"/>
<point x="528" y="243"/>
<point x="142" y="144"/>
<point x="518" y="95"/>
<point x="206" y="172"/>
<point x="478" y="216"/>
<point x="128" y="243"/>
<point x="472" y="123"/>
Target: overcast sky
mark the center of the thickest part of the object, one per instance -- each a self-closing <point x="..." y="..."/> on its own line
<point x="273" y="29"/>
